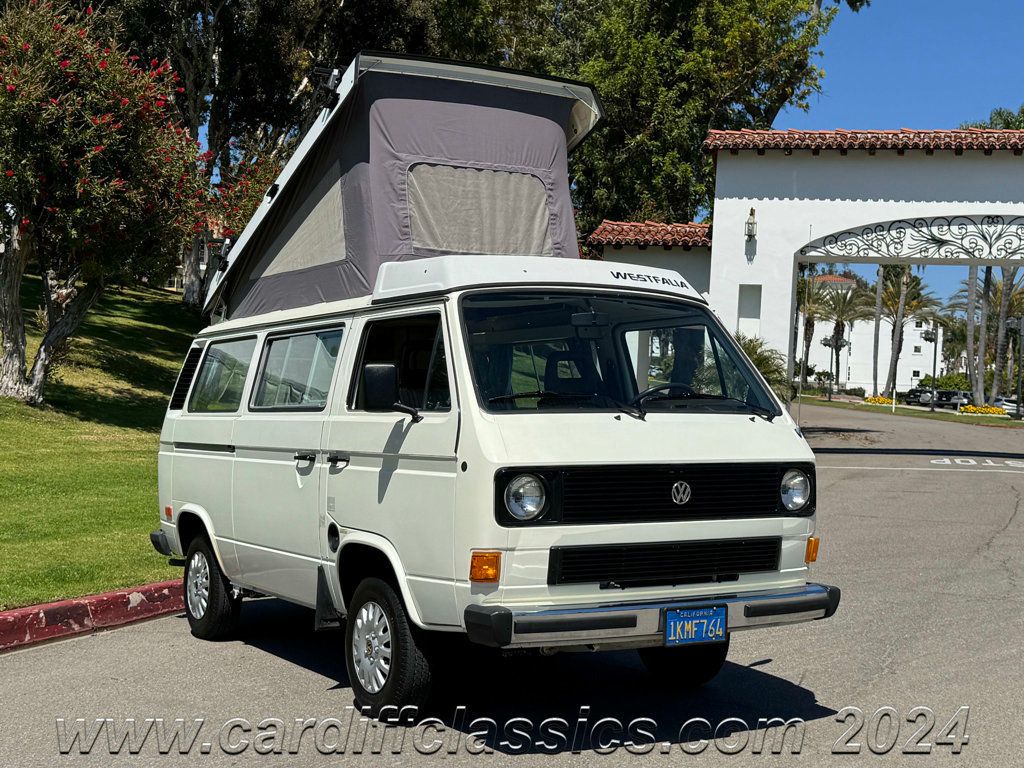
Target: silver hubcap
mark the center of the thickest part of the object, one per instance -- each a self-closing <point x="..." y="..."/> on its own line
<point x="197" y="586"/>
<point x="371" y="647"/>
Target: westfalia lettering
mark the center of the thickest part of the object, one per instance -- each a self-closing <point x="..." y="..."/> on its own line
<point x="637" y="278"/>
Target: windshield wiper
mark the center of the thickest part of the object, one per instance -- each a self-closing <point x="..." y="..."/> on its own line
<point x="534" y="394"/>
<point x="765" y="413"/>
<point x="634" y="411"/>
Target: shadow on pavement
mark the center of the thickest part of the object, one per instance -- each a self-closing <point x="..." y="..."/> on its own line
<point x="810" y="431"/>
<point x="479" y="683"/>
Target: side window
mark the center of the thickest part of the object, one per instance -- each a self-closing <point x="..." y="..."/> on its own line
<point x="218" y="388"/>
<point x="415" y="345"/>
<point x="296" y="371"/>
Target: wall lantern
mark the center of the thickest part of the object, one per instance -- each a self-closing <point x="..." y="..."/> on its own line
<point x="751" y="226"/>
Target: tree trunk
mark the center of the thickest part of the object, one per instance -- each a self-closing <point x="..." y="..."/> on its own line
<point x="979" y="381"/>
<point x="808" y="336"/>
<point x="897" y="334"/>
<point x="972" y="319"/>
<point x="878" y="326"/>
<point x="192" y="277"/>
<point x="837" y="337"/>
<point x="12" y="319"/>
<point x="1009" y="277"/>
<point x="56" y="335"/>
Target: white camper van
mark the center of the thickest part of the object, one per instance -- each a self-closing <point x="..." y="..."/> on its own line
<point x="506" y="443"/>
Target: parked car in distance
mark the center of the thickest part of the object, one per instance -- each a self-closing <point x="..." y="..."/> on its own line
<point x="914" y="395"/>
<point x="951" y="398"/>
<point x="1010" y="406"/>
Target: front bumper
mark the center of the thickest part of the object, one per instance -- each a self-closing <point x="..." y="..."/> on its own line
<point x="620" y="625"/>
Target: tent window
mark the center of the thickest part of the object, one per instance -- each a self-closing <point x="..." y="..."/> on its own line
<point x="474" y="210"/>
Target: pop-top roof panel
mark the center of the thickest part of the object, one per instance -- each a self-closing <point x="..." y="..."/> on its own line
<point x="364" y="188"/>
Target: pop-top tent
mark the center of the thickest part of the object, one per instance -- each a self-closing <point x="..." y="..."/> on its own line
<point x="413" y="158"/>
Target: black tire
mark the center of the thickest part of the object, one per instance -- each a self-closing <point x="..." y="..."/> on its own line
<point x="407" y="682"/>
<point x="220" y="617"/>
<point x="687" y="666"/>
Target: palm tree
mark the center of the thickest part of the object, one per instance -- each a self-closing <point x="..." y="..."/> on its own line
<point x="843" y="306"/>
<point x="769" y="361"/>
<point x="986" y="299"/>
<point x="904" y="297"/>
<point x="954" y="340"/>
<point x="879" y="284"/>
<point x="810" y="297"/>
<point x="1007" y="292"/>
<point x="970" y="309"/>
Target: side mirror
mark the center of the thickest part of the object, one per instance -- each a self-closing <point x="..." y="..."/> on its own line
<point x="380" y="386"/>
<point x="380" y="390"/>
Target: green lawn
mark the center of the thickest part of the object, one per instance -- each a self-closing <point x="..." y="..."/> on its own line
<point x="941" y="415"/>
<point x="78" y="475"/>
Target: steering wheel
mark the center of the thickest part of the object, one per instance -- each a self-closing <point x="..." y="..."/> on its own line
<point x="686" y="392"/>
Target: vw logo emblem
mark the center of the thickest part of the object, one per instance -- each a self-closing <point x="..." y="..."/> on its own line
<point x="681" y="492"/>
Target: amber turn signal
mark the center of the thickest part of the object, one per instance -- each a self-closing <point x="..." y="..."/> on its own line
<point x="168" y="512"/>
<point x="485" y="567"/>
<point x="812" y="549"/>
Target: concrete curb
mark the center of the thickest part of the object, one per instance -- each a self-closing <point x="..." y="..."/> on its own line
<point x="51" y="621"/>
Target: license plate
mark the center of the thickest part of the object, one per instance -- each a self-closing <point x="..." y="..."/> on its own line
<point x="695" y="625"/>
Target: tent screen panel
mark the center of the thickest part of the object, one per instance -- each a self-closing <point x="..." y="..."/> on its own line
<point x="297" y="371"/>
<point x="473" y="210"/>
<point x="221" y="380"/>
<point x="415" y="345"/>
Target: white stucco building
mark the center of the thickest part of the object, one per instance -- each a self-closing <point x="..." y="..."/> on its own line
<point x="788" y="197"/>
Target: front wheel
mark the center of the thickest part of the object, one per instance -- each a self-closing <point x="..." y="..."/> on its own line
<point x="211" y="610"/>
<point x="385" y="665"/>
<point x="688" y="666"/>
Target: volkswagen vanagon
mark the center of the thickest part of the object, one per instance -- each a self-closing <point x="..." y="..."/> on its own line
<point x="422" y="415"/>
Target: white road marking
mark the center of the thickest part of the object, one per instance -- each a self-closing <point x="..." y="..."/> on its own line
<point x="926" y="469"/>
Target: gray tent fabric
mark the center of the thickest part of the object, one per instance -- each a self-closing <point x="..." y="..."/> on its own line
<point x="414" y="167"/>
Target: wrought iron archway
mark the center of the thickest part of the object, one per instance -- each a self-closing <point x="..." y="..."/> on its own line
<point x="945" y="239"/>
<point x="949" y="240"/>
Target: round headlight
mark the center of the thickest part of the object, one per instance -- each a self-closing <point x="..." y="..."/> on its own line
<point x="525" y="497"/>
<point x="795" y="490"/>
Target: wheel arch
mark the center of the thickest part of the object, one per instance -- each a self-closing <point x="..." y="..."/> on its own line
<point x="191" y="521"/>
<point x="364" y="554"/>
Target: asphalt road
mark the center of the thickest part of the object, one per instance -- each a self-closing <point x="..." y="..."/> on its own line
<point x="921" y="528"/>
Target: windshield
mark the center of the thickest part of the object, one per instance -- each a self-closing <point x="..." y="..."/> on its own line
<point x="566" y="351"/>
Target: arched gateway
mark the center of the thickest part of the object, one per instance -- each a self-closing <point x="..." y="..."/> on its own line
<point x="786" y="198"/>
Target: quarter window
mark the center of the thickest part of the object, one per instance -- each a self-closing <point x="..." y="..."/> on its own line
<point x="297" y="371"/>
<point x="415" y="345"/>
<point x="221" y="380"/>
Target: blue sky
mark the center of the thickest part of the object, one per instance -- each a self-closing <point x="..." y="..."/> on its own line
<point x="918" y="64"/>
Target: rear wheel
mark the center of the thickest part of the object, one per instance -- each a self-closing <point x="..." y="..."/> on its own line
<point x="385" y="665"/>
<point x="212" y="612"/>
<point x="690" y="666"/>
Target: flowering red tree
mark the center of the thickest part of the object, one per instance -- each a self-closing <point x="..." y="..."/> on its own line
<point x="97" y="183"/>
<point x="233" y="202"/>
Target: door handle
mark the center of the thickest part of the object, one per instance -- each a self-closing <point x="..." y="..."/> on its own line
<point x="305" y="456"/>
<point x="336" y="459"/>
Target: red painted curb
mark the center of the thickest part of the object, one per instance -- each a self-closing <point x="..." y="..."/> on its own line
<point x="38" y="623"/>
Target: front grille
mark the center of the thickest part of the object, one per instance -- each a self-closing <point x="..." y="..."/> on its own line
<point x="663" y="564"/>
<point x="644" y="493"/>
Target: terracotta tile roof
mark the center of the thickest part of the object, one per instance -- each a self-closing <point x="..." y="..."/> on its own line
<point x="905" y="138"/>
<point x="690" y="235"/>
